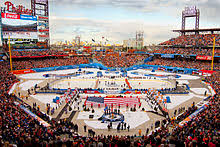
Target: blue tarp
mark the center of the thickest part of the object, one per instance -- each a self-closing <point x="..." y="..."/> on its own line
<point x="148" y="59"/>
<point x="140" y="52"/>
<point x="102" y="67"/>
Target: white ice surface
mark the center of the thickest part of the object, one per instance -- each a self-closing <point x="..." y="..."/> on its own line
<point x="181" y="82"/>
<point x="200" y="90"/>
<point x="46" y="98"/>
<point x="73" y="83"/>
<point x="150" y="83"/>
<point x="130" y="118"/>
<point x="28" y="84"/>
<point x="39" y="75"/>
<point x="12" y="88"/>
<point x="183" y="76"/>
<point x="179" y="99"/>
<point x="119" y="83"/>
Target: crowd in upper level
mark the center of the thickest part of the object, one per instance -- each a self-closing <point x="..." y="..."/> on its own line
<point x="49" y="62"/>
<point x="195" y="40"/>
<point x="186" y="51"/>
<point x="123" y="60"/>
<point x="37" y="53"/>
<point x="184" y="63"/>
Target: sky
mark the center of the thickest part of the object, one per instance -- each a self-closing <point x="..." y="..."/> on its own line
<point x="118" y="20"/>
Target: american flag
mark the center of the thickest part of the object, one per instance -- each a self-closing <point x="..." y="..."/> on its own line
<point x="112" y="101"/>
<point x="121" y="101"/>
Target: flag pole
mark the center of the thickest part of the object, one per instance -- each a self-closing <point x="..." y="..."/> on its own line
<point x="10" y="53"/>
<point x="213" y="53"/>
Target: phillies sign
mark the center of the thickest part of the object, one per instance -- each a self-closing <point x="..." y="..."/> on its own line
<point x="10" y="7"/>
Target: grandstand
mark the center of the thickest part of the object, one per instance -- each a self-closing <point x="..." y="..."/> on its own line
<point x="204" y="40"/>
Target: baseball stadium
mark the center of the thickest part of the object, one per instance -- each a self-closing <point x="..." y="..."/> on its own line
<point x="81" y="93"/>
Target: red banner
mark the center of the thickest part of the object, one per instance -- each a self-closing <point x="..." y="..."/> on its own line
<point x="87" y="47"/>
<point x="204" y="57"/>
<point x="43" y="36"/>
<point x="39" y="56"/>
<point x="91" y="92"/>
<point x="206" y="72"/>
<point x="25" y="71"/>
<point x="44" y="30"/>
<point x="3" y="15"/>
<point x="10" y="16"/>
<point x="42" y="17"/>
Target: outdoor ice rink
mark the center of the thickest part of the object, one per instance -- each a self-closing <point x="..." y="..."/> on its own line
<point x="105" y="83"/>
<point x="145" y="79"/>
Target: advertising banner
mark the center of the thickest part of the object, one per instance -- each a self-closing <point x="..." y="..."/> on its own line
<point x="204" y="57"/>
<point x="25" y="71"/>
<point x="185" y="56"/>
<point x="28" y="17"/>
<point x="10" y="16"/>
<point x="43" y="30"/>
<point x="40" y="120"/>
<point x="17" y="16"/>
<point x="189" y="118"/>
<point x="91" y="91"/>
<point x="41" y="1"/>
<point x="42" y="17"/>
<point x="23" y="35"/>
<point x="44" y="36"/>
<point x="167" y="55"/>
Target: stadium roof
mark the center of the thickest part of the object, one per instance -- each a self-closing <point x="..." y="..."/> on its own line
<point x="198" y="30"/>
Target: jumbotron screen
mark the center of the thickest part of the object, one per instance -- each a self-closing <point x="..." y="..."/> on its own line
<point x="19" y="26"/>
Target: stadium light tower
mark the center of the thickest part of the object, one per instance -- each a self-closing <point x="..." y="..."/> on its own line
<point x="41" y="9"/>
<point x="191" y="11"/>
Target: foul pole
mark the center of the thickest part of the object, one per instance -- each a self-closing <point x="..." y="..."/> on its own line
<point x="10" y="52"/>
<point x="213" y="54"/>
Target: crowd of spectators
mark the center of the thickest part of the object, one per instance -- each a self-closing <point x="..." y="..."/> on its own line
<point x="120" y="60"/>
<point x="49" y="62"/>
<point x="195" y="40"/>
<point x="185" y="51"/>
<point x="112" y="60"/>
<point x="184" y="63"/>
<point x="30" y="53"/>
